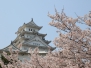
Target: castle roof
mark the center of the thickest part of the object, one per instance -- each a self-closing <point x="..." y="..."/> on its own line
<point x="32" y="24"/>
<point x="29" y="24"/>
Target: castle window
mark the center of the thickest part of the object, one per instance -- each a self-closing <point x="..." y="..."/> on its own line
<point x="29" y="29"/>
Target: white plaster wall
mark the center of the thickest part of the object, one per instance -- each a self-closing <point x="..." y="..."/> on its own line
<point x="26" y="29"/>
<point x="41" y="49"/>
<point x="29" y="36"/>
<point x="36" y="30"/>
<point x="25" y="47"/>
<point x="23" y="56"/>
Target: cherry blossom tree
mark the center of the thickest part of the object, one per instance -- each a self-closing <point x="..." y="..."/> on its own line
<point x="74" y="41"/>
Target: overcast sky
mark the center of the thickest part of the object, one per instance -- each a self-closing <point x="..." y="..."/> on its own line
<point x="13" y="13"/>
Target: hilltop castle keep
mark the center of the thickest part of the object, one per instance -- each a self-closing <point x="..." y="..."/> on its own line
<point x="28" y="36"/>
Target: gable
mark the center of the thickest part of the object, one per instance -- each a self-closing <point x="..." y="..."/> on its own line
<point x="37" y="41"/>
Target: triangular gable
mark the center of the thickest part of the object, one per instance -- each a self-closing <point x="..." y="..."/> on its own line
<point x="37" y="41"/>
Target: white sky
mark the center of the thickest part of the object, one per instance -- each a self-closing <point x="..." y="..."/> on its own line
<point x="13" y="13"/>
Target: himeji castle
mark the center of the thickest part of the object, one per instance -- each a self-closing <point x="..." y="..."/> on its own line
<point x="28" y="36"/>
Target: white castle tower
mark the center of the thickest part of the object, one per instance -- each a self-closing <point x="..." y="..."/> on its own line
<point x="28" y="36"/>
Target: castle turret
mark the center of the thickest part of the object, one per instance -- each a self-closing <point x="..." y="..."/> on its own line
<point x="28" y="36"/>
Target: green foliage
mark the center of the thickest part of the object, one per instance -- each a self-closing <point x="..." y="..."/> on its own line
<point x="0" y="66"/>
<point x="6" y="61"/>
